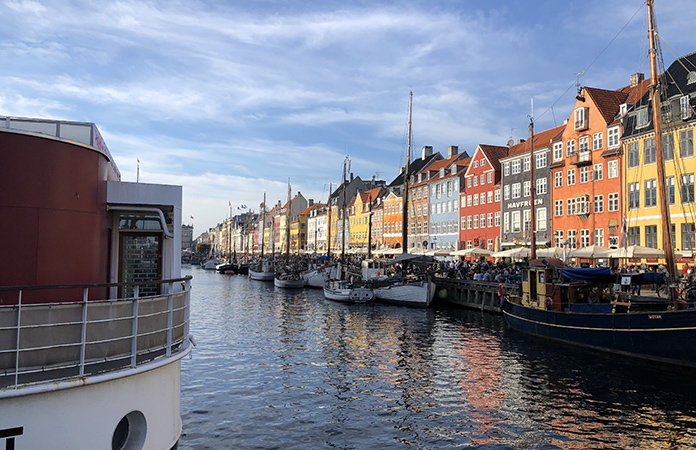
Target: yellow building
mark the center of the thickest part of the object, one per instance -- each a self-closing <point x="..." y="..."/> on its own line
<point x="641" y="193"/>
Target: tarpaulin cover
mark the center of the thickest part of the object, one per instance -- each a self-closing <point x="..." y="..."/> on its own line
<point x="597" y="274"/>
<point x="652" y="278"/>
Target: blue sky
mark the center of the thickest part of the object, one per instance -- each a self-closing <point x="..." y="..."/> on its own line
<point x="230" y="98"/>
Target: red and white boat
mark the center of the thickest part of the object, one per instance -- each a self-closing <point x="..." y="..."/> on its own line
<point x="94" y="313"/>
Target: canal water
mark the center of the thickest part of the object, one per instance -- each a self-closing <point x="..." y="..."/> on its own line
<point x="284" y="369"/>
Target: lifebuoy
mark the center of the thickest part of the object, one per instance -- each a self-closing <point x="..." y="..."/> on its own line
<point x="549" y="303"/>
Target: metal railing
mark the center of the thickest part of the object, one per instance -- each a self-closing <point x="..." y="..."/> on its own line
<point x="48" y="342"/>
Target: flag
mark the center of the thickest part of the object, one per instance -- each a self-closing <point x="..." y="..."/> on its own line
<point x="191" y="217"/>
<point x="624" y="234"/>
<point x="230" y="203"/>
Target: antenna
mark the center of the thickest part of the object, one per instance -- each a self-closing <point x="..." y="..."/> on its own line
<point x="579" y="88"/>
<point x="511" y="141"/>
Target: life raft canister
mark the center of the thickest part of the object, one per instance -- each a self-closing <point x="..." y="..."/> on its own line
<point x="549" y="303"/>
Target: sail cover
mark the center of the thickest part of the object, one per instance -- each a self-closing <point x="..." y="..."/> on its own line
<point x="596" y="274"/>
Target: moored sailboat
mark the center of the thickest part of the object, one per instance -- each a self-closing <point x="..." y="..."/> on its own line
<point x="581" y="307"/>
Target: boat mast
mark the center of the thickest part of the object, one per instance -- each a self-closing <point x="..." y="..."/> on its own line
<point x="263" y="224"/>
<point x="531" y="191"/>
<point x="655" y="96"/>
<point x="404" y="210"/>
<point x="328" y="232"/>
<point x="287" y="227"/>
<point x="343" y="214"/>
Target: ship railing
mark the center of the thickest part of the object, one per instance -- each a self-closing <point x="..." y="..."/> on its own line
<point x="51" y="342"/>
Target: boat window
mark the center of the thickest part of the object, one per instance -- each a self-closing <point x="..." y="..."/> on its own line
<point x="139" y="222"/>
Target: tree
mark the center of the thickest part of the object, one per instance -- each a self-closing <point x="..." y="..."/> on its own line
<point x="202" y="248"/>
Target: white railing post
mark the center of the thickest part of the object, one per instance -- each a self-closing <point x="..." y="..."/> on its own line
<point x="83" y="338"/>
<point x="19" y="327"/>
<point x="170" y="318"/>
<point x="134" y="331"/>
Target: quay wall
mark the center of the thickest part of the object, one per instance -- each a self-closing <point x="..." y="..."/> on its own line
<point x="481" y="295"/>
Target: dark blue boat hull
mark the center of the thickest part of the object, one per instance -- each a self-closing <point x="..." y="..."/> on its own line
<point x="667" y="336"/>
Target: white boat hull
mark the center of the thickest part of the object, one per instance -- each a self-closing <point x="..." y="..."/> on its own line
<point x="318" y="277"/>
<point x="261" y="276"/>
<point x="289" y="283"/>
<point x="418" y="293"/>
<point x="211" y="265"/>
<point x="344" y="292"/>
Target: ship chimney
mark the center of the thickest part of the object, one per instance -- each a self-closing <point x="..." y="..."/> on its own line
<point x="636" y="79"/>
<point x="452" y="150"/>
<point x="427" y="151"/>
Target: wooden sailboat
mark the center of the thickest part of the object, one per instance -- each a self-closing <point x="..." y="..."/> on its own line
<point x="264" y="269"/>
<point x="578" y="306"/>
<point x="415" y="289"/>
<point x="290" y="277"/>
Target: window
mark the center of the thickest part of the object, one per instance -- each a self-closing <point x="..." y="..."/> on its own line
<point x="686" y="143"/>
<point x="584" y="238"/>
<point x="527" y="164"/>
<point x="668" y="146"/>
<point x="649" y="153"/>
<point x="483" y="179"/>
<point x="476" y="221"/>
<point x="558" y="208"/>
<point x="497" y="218"/>
<point x="570" y="206"/>
<point x="439" y="208"/>
<point x="669" y="185"/>
<point x="613" y="199"/>
<point x="490" y="196"/>
<point x="490" y="220"/>
<point x="558" y="179"/>
<point x="597" y="141"/>
<point x="557" y="151"/>
<point x="581" y="118"/>
<point x="516" y="190"/>
<point x="506" y="222"/>
<point x="558" y="237"/>
<point x="687" y="188"/>
<point x="540" y="160"/>
<point x="599" y="237"/>
<point x="497" y="195"/>
<point x="688" y="234"/>
<point x="449" y="188"/>
<point x="613" y="137"/>
<point x="425" y="192"/>
<point x="584" y="174"/>
<point x="684" y="107"/>
<point x="541" y="186"/>
<point x="476" y="181"/>
<point x="419" y="211"/>
<point x="483" y="221"/>
<point x="651" y="236"/>
<point x="633" y="236"/>
<point x="483" y="162"/>
<point x="439" y="190"/>
<point x="598" y="172"/>
<point x="570" y="147"/>
<point x="475" y="163"/>
<point x="650" y="193"/>
<point x="468" y="222"/>
<point x="583" y="204"/>
<point x="571" y="177"/>
<point x="476" y="198"/>
<point x="541" y="219"/>
<point x="642" y="117"/>
<point x="516" y="222"/>
<point x="506" y="192"/>
<point x="527" y="188"/>
<point x="572" y="234"/>
<point x="454" y="206"/>
<point x="490" y="177"/>
<point x="468" y="182"/>
<point x="516" y="166"/>
<point x="506" y="168"/>
<point x="463" y="223"/>
<point x="584" y="146"/>
<point x="598" y="203"/>
<point x="633" y="152"/>
<point x="633" y="195"/>
<point x="613" y="169"/>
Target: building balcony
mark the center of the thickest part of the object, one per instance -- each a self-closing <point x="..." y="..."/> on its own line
<point x="581" y="159"/>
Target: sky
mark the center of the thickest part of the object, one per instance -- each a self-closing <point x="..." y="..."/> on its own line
<point x="231" y="99"/>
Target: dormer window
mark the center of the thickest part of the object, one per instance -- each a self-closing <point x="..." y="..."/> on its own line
<point x="442" y="172"/>
<point x="642" y="117"/>
<point x="685" y="107"/>
<point x="691" y="77"/>
<point x="623" y="109"/>
<point x="453" y="168"/>
<point x="483" y="162"/>
<point x="420" y="177"/>
<point x="581" y="118"/>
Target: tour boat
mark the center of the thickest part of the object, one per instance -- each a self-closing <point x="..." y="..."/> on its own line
<point x="94" y="313"/>
<point x="347" y="292"/>
<point x="262" y="271"/>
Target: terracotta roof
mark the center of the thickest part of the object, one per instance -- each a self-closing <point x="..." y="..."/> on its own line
<point x="542" y="139"/>
<point x="494" y="153"/>
<point x="607" y="102"/>
<point x="436" y="166"/>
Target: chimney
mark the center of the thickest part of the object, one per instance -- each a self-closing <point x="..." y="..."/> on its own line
<point x="427" y="151"/>
<point x="519" y="141"/>
<point x="636" y="79"/>
<point x="452" y="150"/>
<point x="565" y="121"/>
<point x="311" y="202"/>
<point x="351" y="177"/>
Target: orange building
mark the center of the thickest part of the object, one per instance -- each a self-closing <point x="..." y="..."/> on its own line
<point x="392" y="222"/>
<point x="586" y="169"/>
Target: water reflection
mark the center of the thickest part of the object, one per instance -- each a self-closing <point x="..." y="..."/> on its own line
<point x="289" y="369"/>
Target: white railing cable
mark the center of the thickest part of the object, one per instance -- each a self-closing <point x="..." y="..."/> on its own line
<point x="19" y="326"/>
<point x="83" y="339"/>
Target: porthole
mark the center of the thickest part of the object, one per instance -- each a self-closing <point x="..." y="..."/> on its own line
<point x="130" y="432"/>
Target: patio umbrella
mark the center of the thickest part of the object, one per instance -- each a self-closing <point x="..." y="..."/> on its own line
<point x="633" y="251"/>
<point x="473" y="252"/>
<point x="551" y="252"/>
<point x="590" y="252"/>
<point x="517" y="252"/>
